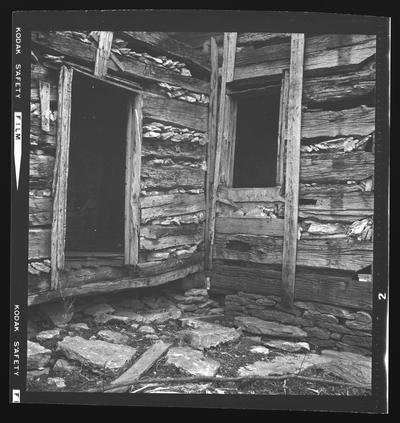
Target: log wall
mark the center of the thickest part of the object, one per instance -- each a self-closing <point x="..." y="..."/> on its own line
<point x="175" y="125"/>
<point x="336" y="179"/>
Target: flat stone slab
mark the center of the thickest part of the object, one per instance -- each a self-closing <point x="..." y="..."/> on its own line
<point x="281" y="365"/>
<point x="351" y="367"/>
<point x="206" y="335"/>
<point x="37" y="356"/>
<point x="287" y="345"/>
<point x="97" y="354"/>
<point x="196" y="292"/>
<point x="47" y="335"/>
<point x="192" y="361"/>
<point x="97" y="309"/>
<point x="258" y="326"/>
<point x="113" y="336"/>
<point x="173" y="313"/>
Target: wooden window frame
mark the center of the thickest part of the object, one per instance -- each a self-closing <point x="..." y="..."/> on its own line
<point x="61" y="170"/>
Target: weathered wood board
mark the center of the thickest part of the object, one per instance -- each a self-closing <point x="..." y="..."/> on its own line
<point x="336" y="288"/>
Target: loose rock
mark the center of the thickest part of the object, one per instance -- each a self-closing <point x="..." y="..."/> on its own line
<point x="47" y="335"/>
<point x="287" y="345"/>
<point x="35" y="374"/>
<point x="63" y="366"/>
<point x="59" y="382"/>
<point x="259" y="349"/>
<point x="113" y="337"/>
<point x="96" y="354"/>
<point x="60" y="313"/>
<point x="192" y="361"/>
<point x="146" y="329"/>
<point x="97" y="309"/>
<point x="263" y="327"/>
<point x="37" y="356"/>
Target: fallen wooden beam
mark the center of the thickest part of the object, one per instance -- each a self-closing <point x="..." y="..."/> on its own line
<point x="139" y="367"/>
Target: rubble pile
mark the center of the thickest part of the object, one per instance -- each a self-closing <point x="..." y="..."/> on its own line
<point x="159" y="131"/>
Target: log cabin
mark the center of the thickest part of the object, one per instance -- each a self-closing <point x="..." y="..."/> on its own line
<point x="246" y="159"/>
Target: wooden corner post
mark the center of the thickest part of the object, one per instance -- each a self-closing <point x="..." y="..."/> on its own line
<point x="60" y="178"/>
<point x="212" y="141"/>
<point x="293" y="129"/>
<point x="132" y="180"/>
<point x="224" y="131"/>
<point x="103" y="53"/>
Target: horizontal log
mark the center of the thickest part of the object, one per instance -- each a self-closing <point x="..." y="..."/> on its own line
<point x="161" y="42"/>
<point x="249" y="226"/>
<point x="341" y="207"/>
<point x="159" y="206"/>
<point x="336" y="167"/>
<point x="41" y="72"/>
<point x="181" y="113"/>
<point x="241" y="195"/>
<point x="336" y="288"/>
<point x="39" y="243"/>
<point x="159" y="237"/>
<point x="76" y="50"/>
<point x="254" y="38"/>
<point x="321" y="52"/>
<point x="40" y="211"/>
<point x="170" y="149"/>
<point x="336" y="189"/>
<point x="343" y="254"/>
<point x="336" y="123"/>
<point x="41" y="169"/>
<point x="168" y="177"/>
<point x="113" y="286"/>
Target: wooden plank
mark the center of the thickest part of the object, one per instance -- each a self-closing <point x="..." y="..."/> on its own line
<point x="321" y="52"/>
<point x="282" y="136"/>
<point x="40" y="211"/>
<point x="228" y="66"/>
<point x="103" y="53"/>
<point x="169" y="149"/>
<point x="254" y="38"/>
<point x="39" y="243"/>
<point x="169" y="177"/>
<point x="333" y="253"/>
<point x="175" y="112"/>
<point x="333" y="287"/>
<point x="160" y="206"/>
<point x="113" y="286"/>
<point x="336" y="167"/>
<point x="243" y="195"/>
<point x="80" y="52"/>
<point x="132" y="181"/>
<point x="161" y="42"/>
<point x="40" y="171"/>
<point x="336" y="123"/>
<point x="249" y="226"/>
<point x="339" y="207"/>
<point x="292" y="169"/>
<point x="212" y="141"/>
<point x="44" y="90"/>
<point x="140" y="366"/>
<point x="228" y="155"/>
<point x="61" y="175"/>
<point x="170" y="241"/>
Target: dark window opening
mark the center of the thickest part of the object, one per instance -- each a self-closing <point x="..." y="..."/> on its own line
<point x="96" y="179"/>
<point x="256" y="144"/>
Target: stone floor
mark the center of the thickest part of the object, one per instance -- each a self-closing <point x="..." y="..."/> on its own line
<point x="97" y="343"/>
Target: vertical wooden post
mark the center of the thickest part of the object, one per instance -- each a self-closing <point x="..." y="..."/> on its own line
<point x="103" y="53"/>
<point x="60" y="178"/>
<point x="228" y="67"/>
<point x="229" y="158"/>
<point x="212" y="140"/>
<point x="132" y="181"/>
<point x="44" y="92"/>
<point x="292" y="169"/>
<point x="282" y="135"/>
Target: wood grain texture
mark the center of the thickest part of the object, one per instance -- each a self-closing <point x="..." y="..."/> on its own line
<point x="39" y="242"/>
<point x="160" y="206"/>
<point x="44" y="89"/>
<point x="103" y="53"/>
<point x="60" y="177"/>
<point x="336" y="167"/>
<point x="321" y="52"/>
<point x="132" y="180"/>
<point x="228" y="66"/>
<point x="335" y="123"/>
<point x="249" y="226"/>
<point x="113" y="286"/>
<point x="175" y="112"/>
<point x="293" y="128"/>
<point x="40" y="211"/>
<point x="161" y="42"/>
<point x="336" y="288"/>
<point x="242" y="195"/>
<point x="41" y="169"/>
<point x="333" y="253"/>
<point x="282" y="128"/>
<point x="79" y="52"/>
